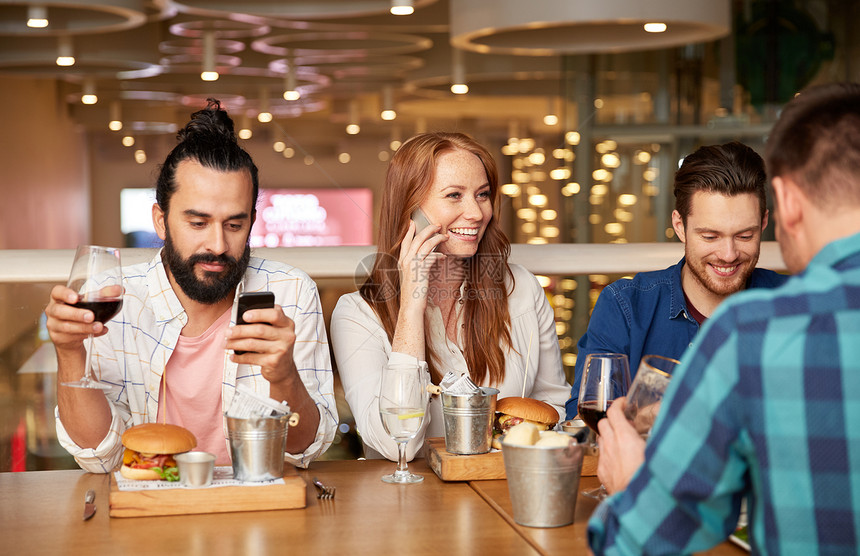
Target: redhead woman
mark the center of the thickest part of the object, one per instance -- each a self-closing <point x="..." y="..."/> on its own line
<point x="444" y="294"/>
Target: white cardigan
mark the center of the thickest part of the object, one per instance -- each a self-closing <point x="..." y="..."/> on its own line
<point x="362" y="350"/>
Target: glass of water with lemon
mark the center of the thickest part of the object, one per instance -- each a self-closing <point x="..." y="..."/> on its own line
<point x="403" y="401"/>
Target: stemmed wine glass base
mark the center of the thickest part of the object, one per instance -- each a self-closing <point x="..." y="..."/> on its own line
<point x="86" y="382"/>
<point x="402" y="478"/>
<point x="599" y="493"/>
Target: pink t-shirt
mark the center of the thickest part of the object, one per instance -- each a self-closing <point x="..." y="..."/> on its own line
<point x="191" y="388"/>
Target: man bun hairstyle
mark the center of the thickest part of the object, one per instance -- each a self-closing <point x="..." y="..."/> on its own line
<point x="210" y="140"/>
<point x="729" y="169"/>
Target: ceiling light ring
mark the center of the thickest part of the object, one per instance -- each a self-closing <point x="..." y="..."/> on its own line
<point x="308" y="80"/>
<point x="352" y="65"/>
<point x="438" y="86"/>
<point x="84" y="65"/>
<point x="223" y="62"/>
<point x="243" y="75"/>
<point x="168" y="98"/>
<point x="403" y="44"/>
<point x="228" y="101"/>
<point x="553" y="27"/>
<point x="322" y="60"/>
<point x="320" y="10"/>
<point x="132" y="97"/>
<point x="147" y="127"/>
<point x="83" y="18"/>
<point x="223" y="29"/>
<point x="399" y="27"/>
<point x="296" y="108"/>
<point x="368" y="71"/>
<point x="677" y="34"/>
<point x="195" y="46"/>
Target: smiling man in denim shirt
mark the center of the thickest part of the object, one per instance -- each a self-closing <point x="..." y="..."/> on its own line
<point x="720" y="214"/>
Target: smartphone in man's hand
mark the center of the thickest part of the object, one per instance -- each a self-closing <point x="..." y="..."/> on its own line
<point x="252" y="300"/>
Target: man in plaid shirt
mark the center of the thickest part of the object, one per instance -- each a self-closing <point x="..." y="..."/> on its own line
<point x="766" y="404"/>
<point x="174" y="354"/>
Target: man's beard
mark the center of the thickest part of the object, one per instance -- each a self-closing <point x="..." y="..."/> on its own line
<point x="215" y="286"/>
<point x="723" y="287"/>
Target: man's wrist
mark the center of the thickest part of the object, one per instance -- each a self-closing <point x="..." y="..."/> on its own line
<point x="287" y="384"/>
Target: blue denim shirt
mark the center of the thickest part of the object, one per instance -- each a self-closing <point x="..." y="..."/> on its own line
<point x="645" y="316"/>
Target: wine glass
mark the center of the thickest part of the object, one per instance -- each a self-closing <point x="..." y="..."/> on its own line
<point x="605" y="377"/>
<point x="97" y="278"/>
<point x="403" y="400"/>
<point x="646" y="392"/>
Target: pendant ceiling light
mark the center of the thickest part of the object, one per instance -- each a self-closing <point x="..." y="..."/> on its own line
<point x="402" y="7"/>
<point x="37" y="16"/>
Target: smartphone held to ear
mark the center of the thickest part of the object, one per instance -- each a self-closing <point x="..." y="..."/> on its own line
<point x="252" y="300"/>
<point x="421" y="222"/>
<point x="420" y="219"/>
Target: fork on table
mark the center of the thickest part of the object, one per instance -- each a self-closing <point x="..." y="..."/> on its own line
<point x="324" y="492"/>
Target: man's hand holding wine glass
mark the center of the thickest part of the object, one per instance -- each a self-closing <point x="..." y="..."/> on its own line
<point x="78" y="312"/>
<point x="622" y="448"/>
<point x="70" y="320"/>
<point x="629" y="420"/>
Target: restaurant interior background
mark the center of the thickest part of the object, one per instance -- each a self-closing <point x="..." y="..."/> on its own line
<point x="586" y="112"/>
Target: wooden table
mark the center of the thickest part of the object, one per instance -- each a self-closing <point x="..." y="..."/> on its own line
<point x="41" y="513"/>
<point x="571" y="539"/>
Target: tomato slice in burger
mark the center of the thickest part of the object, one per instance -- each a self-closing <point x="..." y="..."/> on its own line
<point x="146" y="464"/>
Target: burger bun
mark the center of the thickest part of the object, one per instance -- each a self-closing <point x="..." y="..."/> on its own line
<point x="158" y="438"/>
<point x="497" y="442"/>
<point x="139" y="474"/>
<point x="528" y="409"/>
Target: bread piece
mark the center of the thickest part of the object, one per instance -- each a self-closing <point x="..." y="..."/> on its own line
<point x="524" y="434"/>
<point x="552" y="439"/>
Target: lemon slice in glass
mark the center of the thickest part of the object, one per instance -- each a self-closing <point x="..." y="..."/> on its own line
<point x="412" y="415"/>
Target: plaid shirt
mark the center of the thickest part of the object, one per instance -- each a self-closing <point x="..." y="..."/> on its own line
<point x="766" y="405"/>
<point x="133" y="354"/>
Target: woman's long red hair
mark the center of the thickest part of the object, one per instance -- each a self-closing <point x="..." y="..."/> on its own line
<point x="407" y="184"/>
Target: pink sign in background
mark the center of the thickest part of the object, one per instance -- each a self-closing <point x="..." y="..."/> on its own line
<point x="312" y="217"/>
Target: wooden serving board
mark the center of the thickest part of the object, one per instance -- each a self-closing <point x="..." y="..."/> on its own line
<point x="455" y="467"/>
<point x="180" y="501"/>
<point x="478" y="467"/>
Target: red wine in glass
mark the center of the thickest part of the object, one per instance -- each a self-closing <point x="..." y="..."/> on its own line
<point x="605" y="377"/>
<point x="96" y="276"/>
<point x="103" y="309"/>
<point x="591" y="412"/>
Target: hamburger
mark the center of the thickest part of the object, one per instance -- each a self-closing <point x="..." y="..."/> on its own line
<point x="513" y="411"/>
<point x="149" y="451"/>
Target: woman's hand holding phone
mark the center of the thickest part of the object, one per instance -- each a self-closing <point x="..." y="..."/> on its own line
<point x="417" y="257"/>
<point x="422" y="222"/>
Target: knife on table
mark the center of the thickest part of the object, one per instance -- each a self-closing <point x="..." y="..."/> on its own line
<point x="89" y="504"/>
